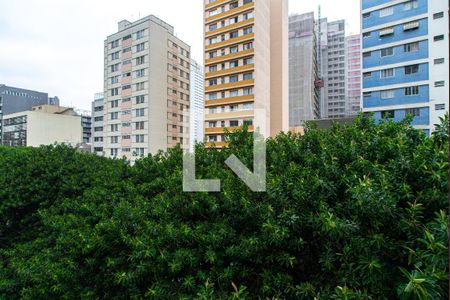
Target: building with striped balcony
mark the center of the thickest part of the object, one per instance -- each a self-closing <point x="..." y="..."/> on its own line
<point x="405" y="55"/>
<point x="246" y="67"/>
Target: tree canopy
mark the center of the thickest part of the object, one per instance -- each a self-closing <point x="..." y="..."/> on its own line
<point x="354" y="212"/>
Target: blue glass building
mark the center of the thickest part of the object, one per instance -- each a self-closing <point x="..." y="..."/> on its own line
<point x="405" y="60"/>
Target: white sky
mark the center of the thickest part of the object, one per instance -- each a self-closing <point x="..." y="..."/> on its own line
<point x="56" y="46"/>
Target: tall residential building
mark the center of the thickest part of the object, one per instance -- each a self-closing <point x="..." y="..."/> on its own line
<point x="13" y="100"/>
<point x="334" y="106"/>
<point x="406" y="60"/>
<point x="303" y="94"/>
<point x="147" y="86"/>
<point x="353" y="75"/>
<point x="246" y="67"/>
<point x="197" y="104"/>
<point x="43" y="125"/>
<point x="97" y="124"/>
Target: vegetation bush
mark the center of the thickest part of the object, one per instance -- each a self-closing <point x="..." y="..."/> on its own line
<point x="354" y="212"/>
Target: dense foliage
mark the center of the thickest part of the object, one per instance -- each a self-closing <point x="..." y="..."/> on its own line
<point x="354" y="212"/>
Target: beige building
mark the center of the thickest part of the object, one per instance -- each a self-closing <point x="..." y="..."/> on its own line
<point x="146" y="95"/>
<point x="246" y="67"/>
<point x="43" y="125"/>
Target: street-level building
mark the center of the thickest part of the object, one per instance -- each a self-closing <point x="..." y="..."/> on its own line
<point x="147" y="87"/>
<point x="406" y="60"/>
<point x="246" y="67"/>
<point x="13" y="100"/>
<point x="43" y="125"/>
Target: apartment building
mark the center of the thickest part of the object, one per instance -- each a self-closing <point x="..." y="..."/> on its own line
<point x="335" y="102"/>
<point x="147" y="88"/>
<point x="197" y="104"/>
<point x="43" y="125"/>
<point x="303" y="70"/>
<point x="353" y="75"/>
<point x="246" y="67"/>
<point x="97" y="124"/>
<point x="406" y="60"/>
<point x="13" y="100"/>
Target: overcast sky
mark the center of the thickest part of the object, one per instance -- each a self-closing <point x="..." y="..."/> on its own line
<point x="56" y="46"/>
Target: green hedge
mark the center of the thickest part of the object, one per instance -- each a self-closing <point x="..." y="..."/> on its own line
<point x="354" y="212"/>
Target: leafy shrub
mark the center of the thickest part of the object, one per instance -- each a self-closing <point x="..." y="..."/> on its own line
<point x="354" y="212"/>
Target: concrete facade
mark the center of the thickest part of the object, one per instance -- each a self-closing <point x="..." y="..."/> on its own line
<point x="147" y="87"/>
<point x="13" y="100"/>
<point x="43" y="125"/>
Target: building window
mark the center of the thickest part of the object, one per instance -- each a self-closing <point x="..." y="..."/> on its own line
<point x="388" y="11"/>
<point x="388" y="94"/>
<point x="411" y="26"/>
<point x="439" y="106"/>
<point x="139" y="138"/>
<point x="387" y="32"/>
<point x="367" y="94"/>
<point x="140" y="47"/>
<point x="212" y="96"/>
<point x="213" y="54"/>
<point x="414" y="112"/>
<point x="387" y="52"/>
<point x="439" y="83"/>
<point x="140" y="34"/>
<point x="367" y="74"/>
<point x="234" y="93"/>
<point x="234" y="78"/>
<point x="439" y="61"/>
<point x="411" y="91"/>
<point x="212" y="138"/>
<point x="140" y="99"/>
<point x="234" y="64"/>
<point x="234" y="5"/>
<point x="367" y="34"/>
<point x="248" y="30"/>
<point x="213" y="82"/>
<point x="248" y="91"/>
<point x="212" y="27"/>
<point x="439" y="38"/>
<point x="247" y="1"/>
<point x="387" y="73"/>
<point x="114" y="152"/>
<point x="234" y="123"/>
<point x="212" y="124"/>
<point x="366" y="15"/>
<point x="234" y="49"/>
<point x="234" y="34"/>
<point x="438" y="15"/>
<point x="140" y="60"/>
<point x="387" y="114"/>
<point x="248" y="76"/>
<point x="248" y="46"/>
<point x="411" y="69"/>
<point x="212" y="68"/>
<point x="367" y="54"/>
<point x="248" y="16"/>
<point x="140" y="112"/>
<point x="139" y="125"/>
<point x="411" y="4"/>
<point x="248" y="61"/>
<point x="411" y="47"/>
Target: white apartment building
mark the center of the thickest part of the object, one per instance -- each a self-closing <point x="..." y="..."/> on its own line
<point x="147" y="88"/>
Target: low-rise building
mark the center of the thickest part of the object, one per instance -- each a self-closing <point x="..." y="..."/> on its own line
<point x="43" y="125"/>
